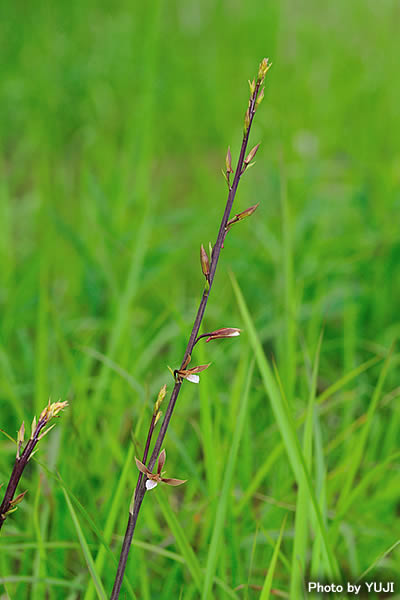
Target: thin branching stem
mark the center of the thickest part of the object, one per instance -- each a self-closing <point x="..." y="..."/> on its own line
<point x="240" y="169"/>
<point x="19" y="466"/>
<point x="39" y="430"/>
<point x="199" y="337"/>
<point x="146" y="450"/>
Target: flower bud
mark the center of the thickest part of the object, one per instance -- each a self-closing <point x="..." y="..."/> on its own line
<point x="252" y="85"/>
<point x="262" y="71"/>
<point x="224" y="332"/>
<point x="240" y="216"/>
<point x="260" y="97"/>
<point x="246" y="121"/>
<point x="18" y="499"/>
<point x="20" y="438"/>
<point x="228" y="161"/>
<point x="205" y="264"/>
<point x="33" y="427"/>
<point x="251" y="155"/>
<point x="160" y="398"/>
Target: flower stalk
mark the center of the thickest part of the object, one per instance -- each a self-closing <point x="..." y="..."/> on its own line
<point x="38" y="431"/>
<point x="209" y="267"/>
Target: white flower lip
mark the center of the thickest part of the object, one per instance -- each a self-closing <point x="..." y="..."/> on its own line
<point x="150" y="484"/>
<point x="193" y="378"/>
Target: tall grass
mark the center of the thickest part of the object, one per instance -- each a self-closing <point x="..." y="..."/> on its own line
<point x="113" y="114"/>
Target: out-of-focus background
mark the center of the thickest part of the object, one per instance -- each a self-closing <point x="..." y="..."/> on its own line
<point x="115" y="119"/>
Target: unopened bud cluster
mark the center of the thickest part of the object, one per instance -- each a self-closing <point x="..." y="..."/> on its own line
<point x="256" y="93"/>
<point x="52" y="410"/>
<point x="161" y="395"/>
<point x="38" y="430"/>
<point x="264" y="67"/>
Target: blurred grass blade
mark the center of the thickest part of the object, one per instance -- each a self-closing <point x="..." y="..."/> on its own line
<point x="272" y="542"/>
<point x="207" y="431"/>
<point x="143" y="127"/>
<point x="302" y="505"/>
<point x="79" y="506"/>
<point x="368" y="478"/>
<point x="320" y="486"/>
<point x="288" y="340"/>
<point x="285" y="424"/>
<point x="225" y="491"/>
<point x="378" y="560"/>
<point x="85" y="549"/>
<point x="87" y="518"/>
<point x="340" y="383"/>
<point x="47" y="581"/>
<point x="266" y="590"/>
<point x="357" y="449"/>
<point x="188" y="555"/>
<point x="180" y="537"/>
<point x="112" y="516"/>
<point x="256" y="481"/>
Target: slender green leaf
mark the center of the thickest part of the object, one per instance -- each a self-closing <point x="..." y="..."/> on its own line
<point x="266" y="589"/>
<point x="85" y="550"/>
<point x="302" y="507"/>
<point x="285" y="423"/>
<point x="180" y="537"/>
<point x="225" y="491"/>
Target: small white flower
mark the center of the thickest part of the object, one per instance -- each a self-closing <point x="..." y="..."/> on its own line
<point x="190" y="374"/>
<point x="154" y="478"/>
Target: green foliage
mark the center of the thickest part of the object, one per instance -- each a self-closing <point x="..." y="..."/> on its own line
<point x="115" y="123"/>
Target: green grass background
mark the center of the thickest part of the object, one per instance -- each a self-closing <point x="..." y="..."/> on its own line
<point x="115" y="118"/>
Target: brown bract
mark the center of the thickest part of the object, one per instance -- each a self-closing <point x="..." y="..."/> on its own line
<point x="191" y="374"/>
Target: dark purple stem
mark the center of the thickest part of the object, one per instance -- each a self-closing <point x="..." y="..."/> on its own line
<point x="140" y="488"/>
<point x="19" y="466"/>
<point x="146" y="450"/>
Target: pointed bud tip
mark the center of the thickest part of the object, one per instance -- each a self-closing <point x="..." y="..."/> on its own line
<point x="252" y="86"/>
<point x="228" y="161"/>
<point x="265" y="65"/>
<point x="260" y="97"/>
<point x="246" y="121"/>
<point x="161" y="395"/>
<point x="240" y="216"/>
<point x="205" y="263"/>
<point x="251" y="154"/>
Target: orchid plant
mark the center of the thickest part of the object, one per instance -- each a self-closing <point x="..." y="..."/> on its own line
<point x="39" y="428"/>
<point x="209" y="263"/>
